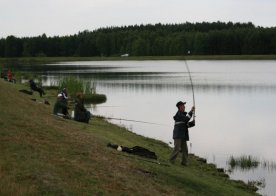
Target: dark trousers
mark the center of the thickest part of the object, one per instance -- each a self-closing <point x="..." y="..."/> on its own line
<point x="180" y="145"/>
<point x="40" y="91"/>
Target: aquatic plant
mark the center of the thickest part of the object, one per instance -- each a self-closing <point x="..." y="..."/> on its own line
<point x="269" y="165"/>
<point x="90" y="88"/>
<point x="243" y="162"/>
<point x="72" y="84"/>
<point x="94" y="98"/>
<point x="248" y="162"/>
<point x="75" y="85"/>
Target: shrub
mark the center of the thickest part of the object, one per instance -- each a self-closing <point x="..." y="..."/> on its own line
<point x="72" y="84"/>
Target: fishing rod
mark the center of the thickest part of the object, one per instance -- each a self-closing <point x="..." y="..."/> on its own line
<point x="187" y="67"/>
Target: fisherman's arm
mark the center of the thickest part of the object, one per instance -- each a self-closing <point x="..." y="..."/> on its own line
<point x="189" y="115"/>
<point x="191" y="124"/>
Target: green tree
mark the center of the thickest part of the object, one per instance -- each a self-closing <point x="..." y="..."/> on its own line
<point x="13" y="47"/>
<point x="170" y="39"/>
<point x="2" y="47"/>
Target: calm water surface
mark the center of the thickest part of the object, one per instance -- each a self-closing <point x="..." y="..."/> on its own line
<point x="235" y="105"/>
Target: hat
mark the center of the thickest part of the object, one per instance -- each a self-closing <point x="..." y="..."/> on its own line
<point x="180" y="103"/>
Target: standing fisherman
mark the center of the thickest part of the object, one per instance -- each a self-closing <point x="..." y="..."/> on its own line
<point x="181" y="133"/>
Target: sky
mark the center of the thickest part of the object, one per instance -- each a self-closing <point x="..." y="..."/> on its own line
<point x="27" y="18"/>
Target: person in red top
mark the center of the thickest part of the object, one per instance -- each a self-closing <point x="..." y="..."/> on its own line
<point x="9" y="75"/>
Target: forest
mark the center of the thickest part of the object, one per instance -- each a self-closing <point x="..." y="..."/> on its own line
<point x="217" y="38"/>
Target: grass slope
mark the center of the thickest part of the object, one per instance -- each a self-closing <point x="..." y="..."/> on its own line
<point x="45" y="155"/>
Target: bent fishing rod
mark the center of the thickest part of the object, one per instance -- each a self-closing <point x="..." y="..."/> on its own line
<point x="192" y="85"/>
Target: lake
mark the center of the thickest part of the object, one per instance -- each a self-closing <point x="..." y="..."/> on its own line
<point x="235" y="105"/>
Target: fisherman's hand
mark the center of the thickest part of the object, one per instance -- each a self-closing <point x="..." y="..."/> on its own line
<point x="193" y="109"/>
<point x="191" y="123"/>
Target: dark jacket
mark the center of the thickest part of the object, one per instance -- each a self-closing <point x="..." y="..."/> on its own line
<point x="33" y="85"/>
<point x="182" y="124"/>
<point x="60" y="107"/>
<point x="81" y="114"/>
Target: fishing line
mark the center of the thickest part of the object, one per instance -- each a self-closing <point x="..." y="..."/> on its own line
<point x="123" y="119"/>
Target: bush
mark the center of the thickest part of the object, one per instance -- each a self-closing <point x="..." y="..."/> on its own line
<point x="94" y="98"/>
<point x="72" y="84"/>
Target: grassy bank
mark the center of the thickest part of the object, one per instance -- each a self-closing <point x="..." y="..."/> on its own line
<point x="32" y="60"/>
<point x="45" y="155"/>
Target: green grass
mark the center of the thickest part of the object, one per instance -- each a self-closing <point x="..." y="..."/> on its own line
<point x="45" y="155"/>
<point x="56" y="88"/>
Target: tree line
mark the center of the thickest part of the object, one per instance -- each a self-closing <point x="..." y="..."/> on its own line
<point x="217" y="38"/>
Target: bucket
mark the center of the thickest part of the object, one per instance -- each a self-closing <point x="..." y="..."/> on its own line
<point x="73" y="114"/>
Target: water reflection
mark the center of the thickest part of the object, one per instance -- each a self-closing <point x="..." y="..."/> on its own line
<point x="218" y="88"/>
<point x="57" y="68"/>
<point x="159" y="82"/>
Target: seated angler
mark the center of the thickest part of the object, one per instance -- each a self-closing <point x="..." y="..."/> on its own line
<point x="60" y="108"/>
<point x="10" y="76"/>
<point x="34" y="87"/>
<point x="80" y="112"/>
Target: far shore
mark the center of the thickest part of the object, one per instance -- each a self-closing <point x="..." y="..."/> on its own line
<point x="28" y="60"/>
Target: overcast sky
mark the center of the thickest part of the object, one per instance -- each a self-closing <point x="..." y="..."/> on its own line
<point x="66" y="17"/>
